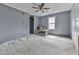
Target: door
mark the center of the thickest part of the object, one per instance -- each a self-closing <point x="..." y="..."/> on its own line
<point x="31" y="24"/>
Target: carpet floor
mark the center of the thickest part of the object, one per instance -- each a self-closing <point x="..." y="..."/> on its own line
<point x="38" y="45"/>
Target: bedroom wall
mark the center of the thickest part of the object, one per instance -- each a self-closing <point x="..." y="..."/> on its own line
<point x="75" y="25"/>
<point x="13" y="23"/>
<point x="62" y="23"/>
<point x="36" y="23"/>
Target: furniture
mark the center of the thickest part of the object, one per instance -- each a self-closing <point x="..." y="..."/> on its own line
<point x="41" y="31"/>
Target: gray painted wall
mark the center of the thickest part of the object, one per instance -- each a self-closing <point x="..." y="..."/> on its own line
<point x="75" y="25"/>
<point x="36" y="23"/>
<point x="75" y="17"/>
<point x="11" y="23"/>
<point x="62" y="23"/>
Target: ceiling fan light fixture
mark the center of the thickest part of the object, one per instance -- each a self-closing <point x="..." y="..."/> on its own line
<point x="41" y="8"/>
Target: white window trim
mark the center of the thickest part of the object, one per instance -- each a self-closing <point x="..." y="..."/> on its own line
<point x="51" y="23"/>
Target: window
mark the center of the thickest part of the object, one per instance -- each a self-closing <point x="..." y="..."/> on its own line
<point x="52" y="22"/>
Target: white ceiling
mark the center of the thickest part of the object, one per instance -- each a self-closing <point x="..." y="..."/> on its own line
<point x="54" y="8"/>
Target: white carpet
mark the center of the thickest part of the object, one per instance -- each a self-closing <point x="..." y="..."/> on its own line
<point x="38" y="45"/>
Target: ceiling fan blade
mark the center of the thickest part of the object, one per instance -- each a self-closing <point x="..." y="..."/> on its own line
<point x="36" y="10"/>
<point x="46" y="8"/>
<point x="35" y="7"/>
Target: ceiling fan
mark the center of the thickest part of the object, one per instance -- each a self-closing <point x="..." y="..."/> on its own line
<point x="41" y="7"/>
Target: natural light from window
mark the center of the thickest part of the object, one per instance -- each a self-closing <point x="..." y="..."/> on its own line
<point x="52" y="22"/>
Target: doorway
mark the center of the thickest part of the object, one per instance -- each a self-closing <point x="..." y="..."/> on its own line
<point x="31" y="24"/>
